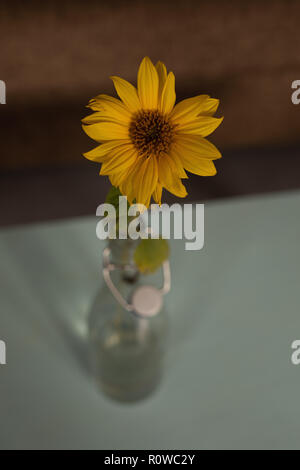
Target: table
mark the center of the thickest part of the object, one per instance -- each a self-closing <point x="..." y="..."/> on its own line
<point x="234" y="307"/>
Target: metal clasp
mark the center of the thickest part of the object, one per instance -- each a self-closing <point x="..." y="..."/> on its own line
<point x="152" y="296"/>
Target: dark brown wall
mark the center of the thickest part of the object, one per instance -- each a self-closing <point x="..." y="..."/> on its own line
<point x="56" y="55"/>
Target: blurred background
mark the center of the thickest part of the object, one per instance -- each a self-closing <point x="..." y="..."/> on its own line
<point x="56" y="55"/>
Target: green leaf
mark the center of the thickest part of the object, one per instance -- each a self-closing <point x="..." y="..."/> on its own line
<point x="150" y="254"/>
<point x="113" y="197"/>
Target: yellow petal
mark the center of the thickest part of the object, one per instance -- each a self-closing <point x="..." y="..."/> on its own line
<point x="176" y="165"/>
<point x="157" y="193"/>
<point x="203" y="125"/>
<point x="196" y="145"/>
<point x="193" y="163"/>
<point x="168" y="96"/>
<point x="127" y="93"/>
<point x="119" y="160"/>
<point x="116" y="179"/>
<point x="162" y="77"/>
<point x="94" y="105"/>
<point x="128" y="186"/>
<point x="188" y="109"/>
<point x="209" y="107"/>
<point x="92" y="118"/>
<point x="168" y="178"/>
<point x="108" y="116"/>
<point x="147" y="84"/>
<point x="100" y="153"/>
<point x="100" y="102"/>
<point x="102" y="131"/>
<point x="146" y="179"/>
<point x="110" y="109"/>
<point x="141" y="181"/>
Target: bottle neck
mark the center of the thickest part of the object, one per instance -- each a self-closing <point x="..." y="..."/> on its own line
<point x="122" y="255"/>
<point x="130" y="287"/>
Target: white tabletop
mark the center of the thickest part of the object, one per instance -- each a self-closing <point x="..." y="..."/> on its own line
<point x="234" y="308"/>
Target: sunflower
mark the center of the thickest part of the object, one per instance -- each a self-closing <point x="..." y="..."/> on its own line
<point x="147" y="143"/>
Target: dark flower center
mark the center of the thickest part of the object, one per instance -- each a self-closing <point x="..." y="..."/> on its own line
<point x="151" y="132"/>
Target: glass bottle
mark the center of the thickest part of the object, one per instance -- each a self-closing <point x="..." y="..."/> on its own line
<point x="127" y="350"/>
